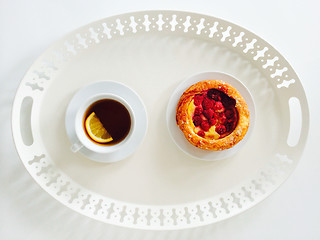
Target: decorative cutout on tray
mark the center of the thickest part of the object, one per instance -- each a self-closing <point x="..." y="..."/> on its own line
<point x="172" y="22"/>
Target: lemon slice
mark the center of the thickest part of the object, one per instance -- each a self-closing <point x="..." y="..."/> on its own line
<point x="96" y="130"/>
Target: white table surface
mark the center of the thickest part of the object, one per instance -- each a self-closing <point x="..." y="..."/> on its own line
<point x="28" y="27"/>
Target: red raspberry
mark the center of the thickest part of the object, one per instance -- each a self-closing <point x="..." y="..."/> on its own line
<point x="219" y="107"/>
<point x="198" y="99"/>
<point x="220" y="129"/>
<point x="205" y="126"/>
<point x="229" y="102"/>
<point x="201" y="133"/>
<point x="230" y="126"/>
<point x="198" y="111"/>
<point x="212" y="121"/>
<point x="197" y="120"/>
<point x="207" y="103"/>
<point x="232" y="120"/>
<point x="216" y="97"/>
<point x="214" y="94"/>
<point x="229" y="113"/>
<point x="209" y="113"/>
<point x="223" y="119"/>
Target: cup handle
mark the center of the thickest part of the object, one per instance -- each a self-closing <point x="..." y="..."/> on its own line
<point x="76" y="146"/>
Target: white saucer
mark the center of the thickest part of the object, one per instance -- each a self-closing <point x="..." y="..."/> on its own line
<point x="129" y="96"/>
<point x="177" y="135"/>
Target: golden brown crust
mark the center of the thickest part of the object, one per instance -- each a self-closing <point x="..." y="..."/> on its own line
<point x="185" y="122"/>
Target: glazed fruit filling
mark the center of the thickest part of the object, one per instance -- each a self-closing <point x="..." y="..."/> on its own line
<point x="215" y="115"/>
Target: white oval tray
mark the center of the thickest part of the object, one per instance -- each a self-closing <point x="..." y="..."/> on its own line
<point x="159" y="186"/>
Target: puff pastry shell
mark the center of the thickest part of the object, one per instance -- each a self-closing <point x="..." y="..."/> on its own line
<point x="184" y="117"/>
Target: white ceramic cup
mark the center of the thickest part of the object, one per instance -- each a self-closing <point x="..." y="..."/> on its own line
<point x="83" y="141"/>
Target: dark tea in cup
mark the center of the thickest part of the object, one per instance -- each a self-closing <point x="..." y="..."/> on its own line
<point x="107" y="122"/>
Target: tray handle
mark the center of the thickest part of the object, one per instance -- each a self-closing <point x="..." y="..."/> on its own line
<point x="21" y="120"/>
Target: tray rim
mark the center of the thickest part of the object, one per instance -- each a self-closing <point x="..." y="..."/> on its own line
<point x="303" y="136"/>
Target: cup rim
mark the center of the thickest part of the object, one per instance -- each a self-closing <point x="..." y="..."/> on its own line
<point x="80" y="131"/>
<point x="130" y="96"/>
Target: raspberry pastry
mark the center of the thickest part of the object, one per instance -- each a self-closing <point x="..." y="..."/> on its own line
<point x="212" y="115"/>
